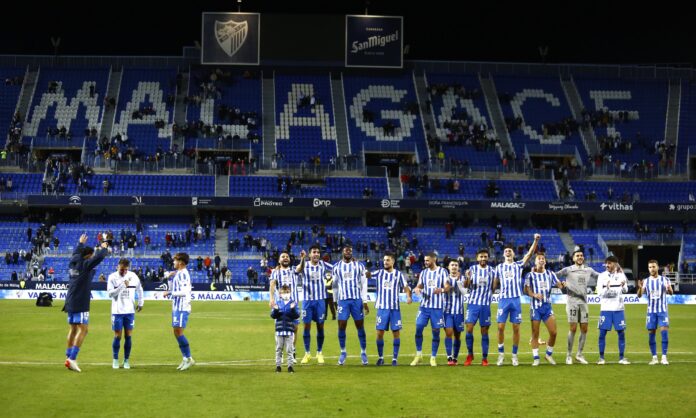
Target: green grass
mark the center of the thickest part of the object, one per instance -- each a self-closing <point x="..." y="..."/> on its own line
<point x="234" y="346"/>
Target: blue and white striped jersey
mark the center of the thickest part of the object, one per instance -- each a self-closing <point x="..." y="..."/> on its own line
<point x="481" y="285"/>
<point x="431" y="280"/>
<point x="350" y="279"/>
<point x="541" y="283"/>
<point x="287" y="277"/>
<point x="655" y="290"/>
<point x="313" y="280"/>
<point x="509" y="276"/>
<point x="454" y="299"/>
<point x="389" y="285"/>
<point x="181" y="291"/>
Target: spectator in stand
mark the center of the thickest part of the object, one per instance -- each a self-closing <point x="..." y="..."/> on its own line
<point x="218" y="260"/>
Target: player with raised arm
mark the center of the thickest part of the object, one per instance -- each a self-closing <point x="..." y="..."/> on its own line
<point x="81" y="270"/>
<point x="656" y="288"/>
<point x="123" y="288"/>
<point x="181" y="306"/>
<point x="390" y="283"/>
<point x="577" y="278"/>
<point x="454" y="312"/>
<point x="537" y="284"/>
<point x="313" y="274"/>
<point x="508" y="276"/>
<point x="350" y="293"/>
<point x="611" y="285"/>
<point x="432" y="285"/>
<point x="479" y="281"/>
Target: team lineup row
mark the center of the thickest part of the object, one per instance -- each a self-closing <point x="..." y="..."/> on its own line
<point x="442" y="292"/>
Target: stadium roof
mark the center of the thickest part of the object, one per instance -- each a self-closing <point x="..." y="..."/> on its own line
<point x="579" y="32"/>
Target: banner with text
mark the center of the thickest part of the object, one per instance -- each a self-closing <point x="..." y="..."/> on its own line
<point x="255" y="296"/>
<point x="374" y="41"/>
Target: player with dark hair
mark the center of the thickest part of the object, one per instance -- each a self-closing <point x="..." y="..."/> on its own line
<point x="611" y="285"/>
<point x="656" y="288"/>
<point x="479" y="281"/>
<point x="123" y="287"/>
<point x="313" y="305"/>
<point x="390" y="283"/>
<point x="181" y="306"/>
<point x="350" y="293"/>
<point x="508" y="275"/>
<point x="432" y="285"/>
<point x="81" y="271"/>
<point x="577" y="278"/>
<point x="537" y="285"/>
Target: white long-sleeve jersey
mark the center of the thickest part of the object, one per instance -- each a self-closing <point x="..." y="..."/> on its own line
<point x="122" y="297"/>
<point x="611" y="287"/>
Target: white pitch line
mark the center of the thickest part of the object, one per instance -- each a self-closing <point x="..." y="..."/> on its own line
<point x="270" y="361"/>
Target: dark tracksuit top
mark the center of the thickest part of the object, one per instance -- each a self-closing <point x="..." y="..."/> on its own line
<point x="81" y="272"/>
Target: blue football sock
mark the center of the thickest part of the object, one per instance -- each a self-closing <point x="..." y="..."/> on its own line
<point x="484" y="345"/>
<point x="116" y="346"/>
<point x="127" y="347"/>
<point x="306" y="338"/>
<point x="419" y="339"/>
<point x="653" y="343"/>
<point x="436" y="341"/>
<point x="602" y="342"/>
<point x="380" y="348"/>
<point x="514" y="349"/>
<point x="184" y="346"/>
<point x="397" y="345"/>
<point x="342" y="339"/>
<point x="501" y="348"/>
<point x="622" y="343"/>
<point x="320" y="339"/>
<point x="74" y="352"/>
<point x="362" y="337"/>
<point x="665" y="342"/>
<point x="457" y="346"/>
<point x="470" y="343"/>
<point x="448" y="346"/>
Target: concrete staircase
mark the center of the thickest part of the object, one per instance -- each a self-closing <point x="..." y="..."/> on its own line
<point x="568" y="241"/>
<point x="424" y="103"/>
<point x="340" y="117"/>
<point x="576" y="106"/>
<point x="112" y="90"/>
<point x="180" y="108"/>
<point x="673" y="110"/>
<point x="221" y="235"/>
<point x="268" y="116"/>
<point x="395" y="190"/>
<point x="490" y="94"/>
<point x="27" y="92"/>
<point x="222" y="186"/>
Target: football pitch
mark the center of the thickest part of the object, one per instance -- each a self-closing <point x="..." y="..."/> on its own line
<point x="233" y="344"/>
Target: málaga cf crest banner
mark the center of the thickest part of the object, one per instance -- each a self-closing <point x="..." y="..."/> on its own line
<point x="230" y="38"/>
<point x="374" y="41"/>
